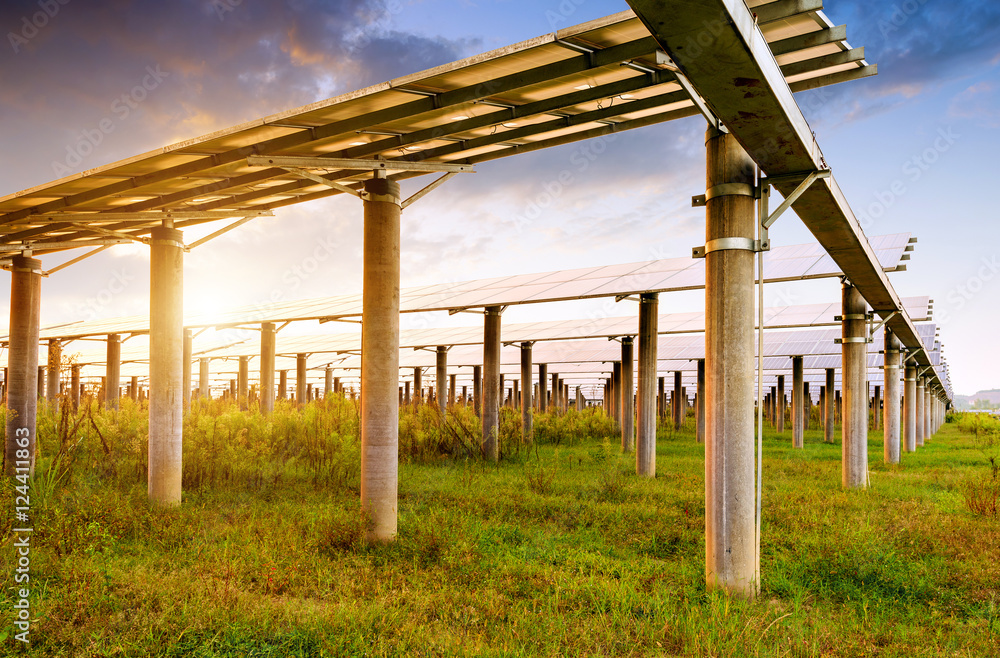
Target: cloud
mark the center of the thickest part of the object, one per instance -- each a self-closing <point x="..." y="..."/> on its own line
<point x="978" y="102"/>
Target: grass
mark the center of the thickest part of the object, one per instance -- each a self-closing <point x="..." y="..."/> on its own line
<point x="558" y="550"/>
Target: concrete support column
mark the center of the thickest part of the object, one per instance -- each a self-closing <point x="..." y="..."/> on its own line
<point x="679" y="401"/>
<point x="113" y="375"/>
<point x="877" y="408"/>
<point x="798" y="404"/>
<point x="74" y="385"/>
<point x="166" y="365"/>
<point x="243" y="382"/>
<point x="380" y="358"/>
<point x="465" y="396"/>
<point x="204" y="387"/>
<point x="616" y="395"/>
<point x="919" y="419"/>
<point x="890" y="423"/>
<point x="830" y="402"/>
<point x="40" y="388"/>
<point x="133" y="388"/>
<point x="327" y="381"/>
<point x="645" y="452"/>
<point x="491" y="383"/>
<point x="556" y="391"/>
<point x="543" y="387"/>
<point x="730" y="528"/>
<point x="452" y="387"/>
<point x="910" y="409"/>
<point x="661" y="399"/>
<point x="477" y="390"/>
<point x="406" y="392"/>
<point x="780" y="410"/>
<point x="527" y="416"/>
<point x="55" y="361"/>
<point x="22" y="365"/>
<point x="301" y="379"/>
<point x="282" y="384"/>
<point x="807" y="406"/>
<point x="927" y="409"/>
<point x="854" y="383"/>
<point x="267" y="349"/>
<point x="186" y="366"/>
<point x="441" y="379"/>
<point x="627" y="394"/>
<point x="418" y="384"/>
<point x="700" y="399"/>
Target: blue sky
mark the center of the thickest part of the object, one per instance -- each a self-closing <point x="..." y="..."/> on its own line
<point x="909" y="147"/>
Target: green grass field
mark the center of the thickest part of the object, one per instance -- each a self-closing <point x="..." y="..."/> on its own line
<point x="559" y="550"/>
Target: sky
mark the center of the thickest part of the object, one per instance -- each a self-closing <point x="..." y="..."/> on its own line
<point x="909" y="147"/>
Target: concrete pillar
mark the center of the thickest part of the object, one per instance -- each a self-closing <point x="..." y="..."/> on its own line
<point x="700" y="399"/>
<point x="661" y="399"/>
<point x="22" y="364"/>
<point x="113" y="376"/>
<point x="232" y="389"/>
<point x="242" y="392"/>
<point x="380" y="358"/>
<point x="645" y="452"/>
<point x="451" y="388"/>
<point x="186" y="357"/>
<point x="465" y="396"/>
<point x="477" y="390"/>
<point x="267" y="350"/>
<point x="74" y="385"/>
<point x="491" y="383"/>
<point x="877" y="408"/>
<point x="679" y="401"/>
<point x="830" y="423"/>
<point x="166" y="365"/>
<point x="40" y="388"/>
<point x="554" y="399"/>
<point x="406" y="392"/>
<point x="616" y="395"/>
<point x="919" y="420"/>
<point x="441" y="379"/>
<point x="133" y="388"/>
<point x="798" y="404"/>
<point x="854" y="383"/>
<point x="910" y="408"/>
<point x="526" y="411"/>
<point x="327" y="381"/>
<point x="730" y="520"/>
<point x="543" y="387"/>
<point x="204" y="387"/>
<point x="301" y="379"/>
<point x="927" y="409"/>
<point x="418" y="384"/>
<point x="55" y="361"/>
<point x="626" y="394"/>
<point x="282" y="384"/>
<point x="822" y="409"/>
<point x="890" y="424"/>
<point x="780" y="410"/>
<point x="807" y="406"/>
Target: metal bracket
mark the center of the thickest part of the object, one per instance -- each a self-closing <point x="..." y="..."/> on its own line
<point x="632" y="298"/>
<point x="663" y="59"/>
<point x="852" y="339"/>
<point x="724" y="244"/>
<point x="724" y="189"/>
<point x="771" y="218"/>
<point x="852" y="316"/>
<point x="878" y="326"/>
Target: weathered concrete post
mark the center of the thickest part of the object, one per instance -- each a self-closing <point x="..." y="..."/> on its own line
<point x="679" y="401"/>
<point x="418" y="385"/>
<point x="282" y="384"/>
<point x="616" y="395"/>
<point x="730" y="519"/>
<point x="113" y="375"/>
<point x="451" y="388"/>
<point x="40" y="388"/>
<point x="327" y="381"/>
<point x="807" y="411"/>
<point x="910" y="408"/>
<point x="267" y="349"/>
<point x="55" y="361"/>
<point x="829" y="425"/>
<point x="477" y="390"/>
<point x="627" y="393"/>
<point x="543" y="387"/>
<point x="661" y="399"/>
<point x="380" y="357"/>
<point x="919" y="420"/>
<point x="701" y="400"/>
<point x="798" y="404"/>
<point x="526" y="412"/>
<point x="74" y="385"/>
<point x="22" y="365"/>
<point x="243" y="382"/>
<point x="645" y="452"/>
<point x="406" y="392"/>
<point x="556" y="392"/>
<point x="166" y="365"/>
<point x="854" y="360"/>
<point x="441" y="379"/>
<point x="491" y="383"/>
<point x="927" y="409"/>
<point x="876" y="408"/>
<point x="301" y="379"/>
<point x="204" y="387"/>
<point x="133" y="388"/>
<point x="890" y="424"/>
